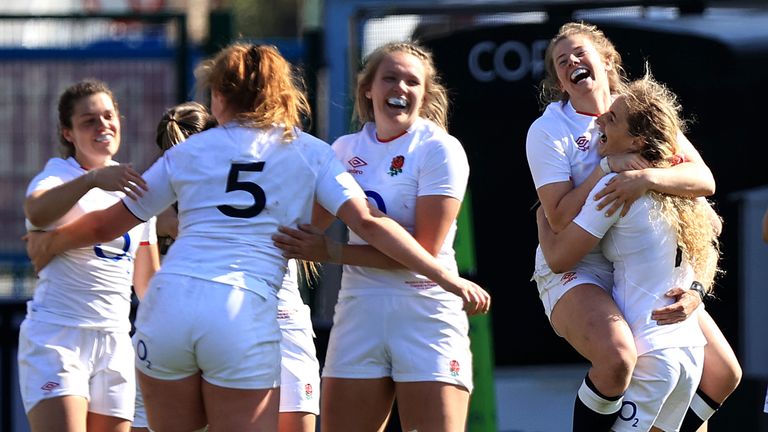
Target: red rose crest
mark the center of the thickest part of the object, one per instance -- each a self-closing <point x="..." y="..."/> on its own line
<point x="308" y="391"/>
<point x="454" y="367"/>
<point x="396" y="167"/>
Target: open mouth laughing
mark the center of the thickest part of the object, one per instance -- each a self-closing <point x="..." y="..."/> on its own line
<point x="579" y="74"/>
<point x="397" y="102"/>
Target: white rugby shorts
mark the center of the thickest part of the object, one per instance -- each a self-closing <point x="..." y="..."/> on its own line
<point x="662" y="387"/>
<point x="552" y="286"/>
<point x="407" y="338"/>
<point x="300" y="370"/>
<point x="185" y="325"/>
<point x="56" y="360"/>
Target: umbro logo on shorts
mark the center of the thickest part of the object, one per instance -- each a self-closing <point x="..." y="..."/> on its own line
<point x="49" y="386"/>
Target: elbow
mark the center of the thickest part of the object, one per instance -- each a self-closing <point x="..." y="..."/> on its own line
<point x="37" y="221"/>
<point x="710" y="188"/>
<point x="559" y="264"/>
<point x="35" y="217"/>
<point x="364" y="226"/>
<point x="558" y="267"/>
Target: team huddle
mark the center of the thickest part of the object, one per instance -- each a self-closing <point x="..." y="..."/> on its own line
<point x="223" y="340"/>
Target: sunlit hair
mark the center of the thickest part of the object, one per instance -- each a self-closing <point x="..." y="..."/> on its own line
<point x="550" y="89"/>
<point x="67" y="102"/>
<point x="653" y="114"/>
<point x="181" y="121"/>
<point x="435" y="105"/>
<point x="258" y="85"/>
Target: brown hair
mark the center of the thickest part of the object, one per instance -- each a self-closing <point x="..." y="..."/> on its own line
<point x="550" y="89"/>
<point x="435" y="106"/>
<point x="258" y="84"/>
<point x="181" y="121"/>
<point x="67" y="101"/>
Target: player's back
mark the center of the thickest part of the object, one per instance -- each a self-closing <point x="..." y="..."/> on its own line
<point x="234" y="187"/>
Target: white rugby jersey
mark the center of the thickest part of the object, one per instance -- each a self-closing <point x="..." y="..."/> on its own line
<point x="234" y="186"/>
<point x="426" y="160"/>
<point x="562" y="145"/>
<point x="643" y="249"/>
<point x="91" y="286"/>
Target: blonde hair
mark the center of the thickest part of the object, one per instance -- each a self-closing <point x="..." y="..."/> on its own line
<point x="435" y="106"/>
<point x="550" y="89"/>
<point x="653" y="113"/>
<point x="259" y="85"/>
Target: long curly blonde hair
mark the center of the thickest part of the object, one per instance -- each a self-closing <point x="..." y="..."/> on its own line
<point x="259" y="84"/>
<point x="653" y="113"/>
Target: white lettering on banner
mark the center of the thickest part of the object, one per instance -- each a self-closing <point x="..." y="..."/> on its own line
<point x="529" y="60"/>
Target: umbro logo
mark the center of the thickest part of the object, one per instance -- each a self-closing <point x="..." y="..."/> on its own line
<point x="356" y="162"/>
<point x="582" y="143"/>
<point x="49" y="386"/>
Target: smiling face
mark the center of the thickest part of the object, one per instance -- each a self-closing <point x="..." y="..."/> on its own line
<point x="614" y="126"/>
<point x="580" y="68"/>
<point x="95" y="130"/>
<point x="397" y="93"/>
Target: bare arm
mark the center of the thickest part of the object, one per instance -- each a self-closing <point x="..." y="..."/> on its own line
<point x="434" y="216"/>
<point x="563" y="250"/>
<point x="44" y="207"/>
<point x="94" y="227"/>
<point x="692" y="178"/>
<point x="389" y="237"/>
<point x="145" y="265"/>
<point x="562" y="202"/>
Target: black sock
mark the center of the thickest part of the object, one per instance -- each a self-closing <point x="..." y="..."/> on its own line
<point x="701" y="409"/>
<point x="592" y="411"/>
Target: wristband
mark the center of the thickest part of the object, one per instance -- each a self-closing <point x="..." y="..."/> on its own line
<point x="605" y="166"/>
<point x="699" y="288"/>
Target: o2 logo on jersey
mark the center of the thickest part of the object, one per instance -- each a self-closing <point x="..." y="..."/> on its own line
<point x="377" y="199"/>
<point x="108" y="250"/>
<point x="628" y="413"/>
<point x="141" y="353"/>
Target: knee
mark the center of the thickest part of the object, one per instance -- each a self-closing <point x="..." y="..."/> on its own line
<point x="615" y="371"/>
<point x="731" y="377"/>
<point x="718" y="383"/>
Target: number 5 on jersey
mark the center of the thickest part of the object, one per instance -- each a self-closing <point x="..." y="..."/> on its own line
<point x="234" y="184"/>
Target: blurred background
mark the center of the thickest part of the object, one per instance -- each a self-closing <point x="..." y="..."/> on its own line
<point x="713" y="54"/>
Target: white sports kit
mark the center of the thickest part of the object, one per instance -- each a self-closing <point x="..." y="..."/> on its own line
<point x="644" y="251"/>
<point x="561" y="146"/>
<point x="397" y="323"/>
<point x="223" y="269"/>
<point x="300" y="369"/>
<point x="75" y="337"/>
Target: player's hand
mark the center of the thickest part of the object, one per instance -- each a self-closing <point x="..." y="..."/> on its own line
<point x="121" y="178"/>
<point x="476" y="300"/>
<point x="627" y="162"/>
<point x="686" y="303"/>
<point x="38" y="248"/>
<point x="307" y="243"/>
<point x="168" y="223"/>
<point x="621" y="191"/>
